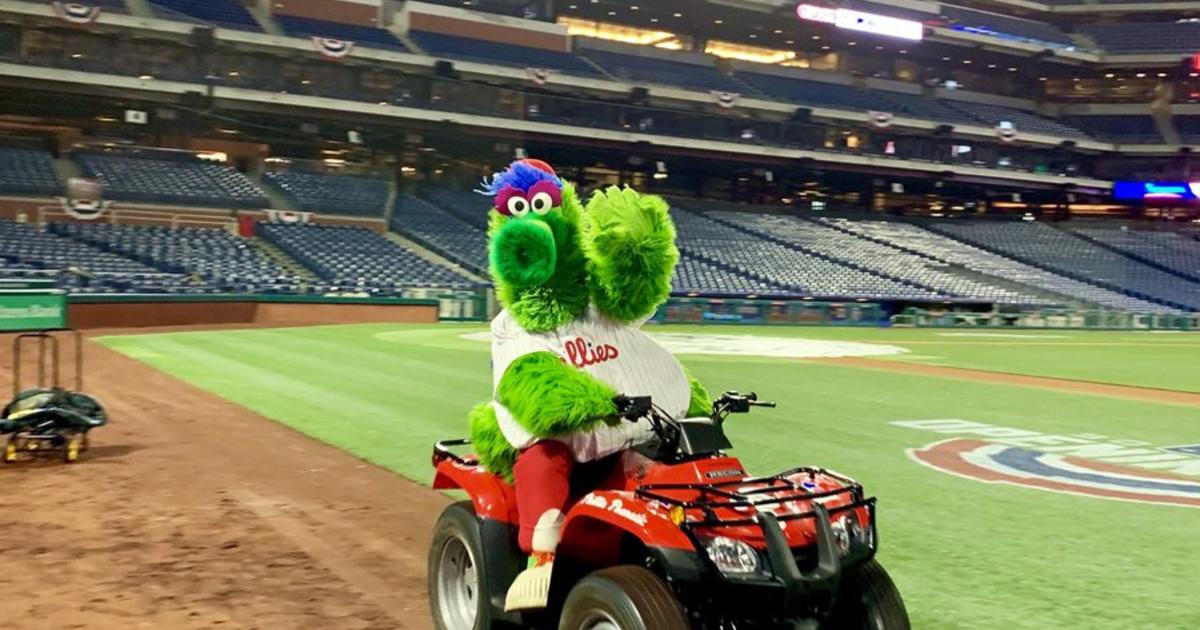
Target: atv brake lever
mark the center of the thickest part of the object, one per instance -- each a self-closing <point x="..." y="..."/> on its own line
<point x="632" y="408"/>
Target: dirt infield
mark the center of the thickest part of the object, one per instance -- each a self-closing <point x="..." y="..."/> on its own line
<point x="1057" y="384"/>
<point x="193" y="512"/>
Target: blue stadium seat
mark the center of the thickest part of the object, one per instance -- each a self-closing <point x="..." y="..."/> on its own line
<point x="158" y="178"/>
<point x="923" y="272"/>
<point x="359" y="260"/>
<point x="1188" y="128"/>
<point x="1131" y="37"/>
<point x="224" y="13"/>
<point x="27" y="251"/>
<point x="357" y="195"/>
<point x="361" y="35"/>
<point x="440" y="45"/>
<point x="464" y="242"/>
<point x="1005" y="26"/>
<point x="212" y="259"/>
<point x="938" y="246"/>
<point x="1122" y="128"/>
<point x="991" y="115"/>
<point x="772" y="264"/>
<point x="1062" y="252"/>
<point x="1170" y="250"/>
<point x="644" y="70"/>
<point x="28" y="172"/>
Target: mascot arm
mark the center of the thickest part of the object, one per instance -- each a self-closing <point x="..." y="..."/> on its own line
<point x="630" y="246"/>
<point x="550" y="398"/>
<point x="700" y="404"/>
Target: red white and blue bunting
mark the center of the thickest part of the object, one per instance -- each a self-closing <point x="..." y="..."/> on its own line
<point x="75" y="13"/>
<point x="539" y="76"/>
<point x="726" y="100"/>
<point x="882" y="120"/>
<point x="288" y="216"/>
<point x="332" y="48"/>
<point x="84" y="209"/>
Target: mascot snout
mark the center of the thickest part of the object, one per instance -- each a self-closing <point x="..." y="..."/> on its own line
<point x="523" y="252"/>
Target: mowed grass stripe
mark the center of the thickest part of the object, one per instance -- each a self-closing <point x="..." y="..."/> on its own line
<point x="966" y="554"/>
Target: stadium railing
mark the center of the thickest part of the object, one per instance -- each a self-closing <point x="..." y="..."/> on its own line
<point x="769" y="312"/>
<point x="1048" y="319"/>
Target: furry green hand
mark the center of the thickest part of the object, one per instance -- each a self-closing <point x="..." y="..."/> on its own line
<point x="550" y="398"/>
<point x="629" y="241"/>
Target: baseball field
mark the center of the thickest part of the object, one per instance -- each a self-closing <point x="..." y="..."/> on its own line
<point x="1026" y="479"/>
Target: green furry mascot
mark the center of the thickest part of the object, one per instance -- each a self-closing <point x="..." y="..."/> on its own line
<point x="576" y="284"/>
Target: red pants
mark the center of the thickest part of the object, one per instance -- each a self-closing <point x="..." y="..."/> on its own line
<point x="543" y="479"/>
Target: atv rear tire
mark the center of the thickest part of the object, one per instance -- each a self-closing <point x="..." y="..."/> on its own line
<point x="624" y="597"/>
<point x="867" y="599"/>
<point x="456" y="573"/>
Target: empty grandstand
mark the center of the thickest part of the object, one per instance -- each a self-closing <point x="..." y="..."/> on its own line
<point x="358" y="195"/>
<point x="169" y="179"/>
<point x="349" y="259"/>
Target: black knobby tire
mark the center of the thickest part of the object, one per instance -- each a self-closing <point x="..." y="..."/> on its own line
<point x="457" y="531"/>
<point x="630" y="596"/>
<point x="867" y="599"/>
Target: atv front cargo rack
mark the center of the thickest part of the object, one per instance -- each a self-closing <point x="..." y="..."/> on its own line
<point x="748" y="494"/>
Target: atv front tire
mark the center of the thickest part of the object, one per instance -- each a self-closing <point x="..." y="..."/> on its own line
<point x="457" y="596"/>
<point x="626" y="597"/>
<point x="867" y="599"/>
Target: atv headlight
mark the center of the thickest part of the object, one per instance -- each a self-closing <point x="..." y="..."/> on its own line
<point x="732" y="557"/>
<point x="847" y="531"/>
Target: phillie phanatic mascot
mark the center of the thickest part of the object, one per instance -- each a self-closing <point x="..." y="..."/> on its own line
<point x="576" y="284"/>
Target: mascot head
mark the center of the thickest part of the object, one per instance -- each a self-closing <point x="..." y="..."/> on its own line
<point x="535" y="254"/>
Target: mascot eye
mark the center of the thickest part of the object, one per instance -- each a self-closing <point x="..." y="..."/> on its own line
<point x="518" y="206"/>
<point x="542" y="203"/>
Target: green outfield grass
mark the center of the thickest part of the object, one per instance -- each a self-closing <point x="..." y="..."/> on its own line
<point x="965" y="554"/>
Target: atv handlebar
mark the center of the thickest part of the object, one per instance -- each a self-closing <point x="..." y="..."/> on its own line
<point x="634" y="408"/>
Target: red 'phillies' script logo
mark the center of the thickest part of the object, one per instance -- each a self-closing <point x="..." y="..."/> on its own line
<point x="582" y="354"/>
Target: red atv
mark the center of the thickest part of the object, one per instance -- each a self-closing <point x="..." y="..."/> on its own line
<point x="680" y="538"/>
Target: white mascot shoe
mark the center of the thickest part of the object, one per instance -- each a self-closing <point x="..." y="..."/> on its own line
<point x="531" y="589"/>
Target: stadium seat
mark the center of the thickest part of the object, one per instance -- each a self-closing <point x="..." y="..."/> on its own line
<point x="1004" y="26"/>
<point x="450" y="46"/>
<point x="359" y="260"/>
<point x="1121" y="128"/>
<point x="880" y="258"/>
<point x="1170" y="250"/>
<point x="443" y="231"/>
<point x="182" y="179"/>
<point x="224" y="13"/>
<point x="1067" y="254"/>
<point x="991" y="115"/>
<point x="369" y="36"/>
<point x="648" y="70"/>
<point x="28" y="172"/>
<point x="941" y="247"/>
<point x="214" y="259"/>
<point x="357" y="195"/>
<point x="1132" y="37"/>
<point x="27" y="251"/>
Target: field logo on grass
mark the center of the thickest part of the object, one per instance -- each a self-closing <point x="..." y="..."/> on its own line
<point x="1085" y="464"/>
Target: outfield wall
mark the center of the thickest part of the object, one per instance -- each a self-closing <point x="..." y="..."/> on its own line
<point x="139" y="311"/>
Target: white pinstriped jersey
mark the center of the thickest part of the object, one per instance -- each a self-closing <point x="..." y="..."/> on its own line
<point x="621" y="355"/>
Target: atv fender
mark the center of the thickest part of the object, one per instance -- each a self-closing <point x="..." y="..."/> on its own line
<point x="492" y="497"/>
<point x="597" y="523"/>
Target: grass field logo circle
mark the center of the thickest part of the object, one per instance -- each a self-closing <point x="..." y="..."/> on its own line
<point x="1083" y="465"/>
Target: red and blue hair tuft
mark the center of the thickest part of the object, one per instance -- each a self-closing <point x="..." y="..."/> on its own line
<point x="522" y="175"/>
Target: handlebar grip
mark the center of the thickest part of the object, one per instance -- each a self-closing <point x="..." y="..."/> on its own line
<point x="762" y="404"/>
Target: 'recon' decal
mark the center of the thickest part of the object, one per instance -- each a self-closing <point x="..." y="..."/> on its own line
<point x="1084" y="464"/>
